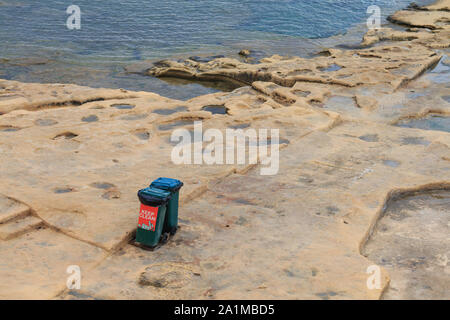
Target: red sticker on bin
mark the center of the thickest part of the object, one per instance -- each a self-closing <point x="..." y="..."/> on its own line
<point x="147" y="217"/>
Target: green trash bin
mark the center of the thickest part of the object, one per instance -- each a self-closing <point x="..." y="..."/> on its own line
<point x="152" y="215"/>
<point x="173" y="186"/>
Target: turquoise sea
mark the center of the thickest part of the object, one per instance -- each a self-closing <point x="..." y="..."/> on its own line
<point x="121" y="35"/>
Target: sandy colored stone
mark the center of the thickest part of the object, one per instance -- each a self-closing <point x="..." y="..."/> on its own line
<point x="11" y="209"/>
<point x="74" y="157"/>
<point x="439" y="5"/>
<point x="424" y="19"/>
<point x="31" y="96"/>
<point x="44" y="256"/>
<point x="410" y="242"/>
<point x="18" y="227"/>
<point x="348" y="68"/>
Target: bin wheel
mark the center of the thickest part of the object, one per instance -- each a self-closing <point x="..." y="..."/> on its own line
<point x="173" y="231"/>
<point x="165" y="238"/>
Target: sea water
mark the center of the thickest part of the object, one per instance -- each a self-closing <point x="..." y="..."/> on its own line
<point x="119" y="36"/>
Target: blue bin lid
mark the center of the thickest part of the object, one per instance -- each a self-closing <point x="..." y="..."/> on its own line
<point x="153" y="197"/>
<point x="167" y="184"/>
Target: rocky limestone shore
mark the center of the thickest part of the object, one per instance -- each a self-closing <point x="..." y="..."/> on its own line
<point x="74" y="157"/>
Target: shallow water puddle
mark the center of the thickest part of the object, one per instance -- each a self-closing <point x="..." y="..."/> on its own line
<point x="63" y="190"/>
<point x="333" y="67"/>
<point x="391" y="163"/>
<point x="166" y="112"/>
<point x="180" y="123"/>
<point x="133" y="117"/>
<point x="216" y="109"/>
<point x="91" y="118"/>
<point x="123" y="106"/>
<point x="411" y="241"/>
<point x="431" y="122"/>
<point x="143" y="135"/>
<point x="240" y="126"/>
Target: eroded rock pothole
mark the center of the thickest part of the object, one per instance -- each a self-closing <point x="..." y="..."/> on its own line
<point x="102" y="185"/>
<point x="91" y="118"/>
<point x="111" y="194"/>
<point x="65" y="135"/>
<point x="216" y="109"/>
<point x="411" y="241"/>
<point x="123" y="106"/>
<point x="142" y="134"/>
<point x="61" y="190"/>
